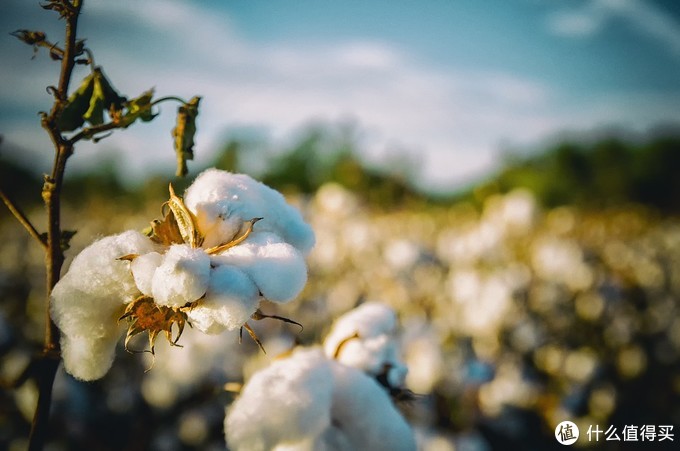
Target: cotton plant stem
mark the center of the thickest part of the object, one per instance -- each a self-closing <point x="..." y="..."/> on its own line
<point x="23" y="219"/>
<point x="54" y="256"/>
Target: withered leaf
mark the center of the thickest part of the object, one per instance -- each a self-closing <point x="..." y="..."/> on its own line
<point x="165" y="231"/>
<point x="183" y="134"/>
<point x="29" y="37"/>
<point x="103" y="98"/>
<point x="137" y="108"/>
<point x="185" y="220"/>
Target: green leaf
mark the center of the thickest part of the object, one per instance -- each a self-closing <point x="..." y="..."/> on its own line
<point x="104" y="97"/>
<point x="112" y="100"/>
<point x="95" y="113"/>
<point x="77" y="104"/>
<point x="183" y="134"/>
<point x="88" y="103"/>
<point x="137" y="108"/>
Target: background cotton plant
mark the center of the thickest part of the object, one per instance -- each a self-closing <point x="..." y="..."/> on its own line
<point x="210" y="272"/>
<point x="317" y="399"/>
<point x="366" y="338"/>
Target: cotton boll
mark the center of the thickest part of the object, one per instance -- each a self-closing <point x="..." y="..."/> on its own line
<point x="74" y="309"/>
<point x="367" y="355"/>
<point x="230" y="300"/>
<point x="287" y="403"/>
<point x="310" y="402"/>
<point x="88" y="357"/>
<point x="364" y="338"/>
<point x="223" y="201"/>
<point x="277" y="268"/>
<point x="182" y="277"/>
<point x="97" y="272"/>
<point x="368" y="320"/>
<point x="217" y="226"/>
<point x="143" y="269"/>
<point x="89" y="298"/>
<point x="363" y="416"/>
<point x="374" y="345"/>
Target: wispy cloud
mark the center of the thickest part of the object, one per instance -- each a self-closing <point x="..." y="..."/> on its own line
<point x="454" y="119"/>
<point x="593" y="16"/>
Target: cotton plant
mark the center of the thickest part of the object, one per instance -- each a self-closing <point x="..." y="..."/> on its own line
<point x="310" y="402"/>
<point x="366" y="338"/>
<point x="338" y="396"/>
<point x="229" y="243"/>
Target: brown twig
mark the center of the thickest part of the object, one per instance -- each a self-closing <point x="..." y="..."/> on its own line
<point x="54" y="256"/>
<point x="23" y="219"/>
<point x="89" y="132"/>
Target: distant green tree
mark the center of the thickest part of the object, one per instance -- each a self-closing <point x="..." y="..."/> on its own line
<point x="609" y="172"/>
<point x="321" y="155"/>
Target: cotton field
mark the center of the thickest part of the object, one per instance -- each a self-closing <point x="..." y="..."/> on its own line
<point x="491" y="325"/>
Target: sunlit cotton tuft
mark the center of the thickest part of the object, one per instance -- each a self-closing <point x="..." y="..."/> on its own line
<point x="172" y="280"/>
<point x="223" y="202"/>
<point x="365" y="338"/>
<point x="308" y="402"/>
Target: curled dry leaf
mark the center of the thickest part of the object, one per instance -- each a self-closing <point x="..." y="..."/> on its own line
<point x="183" y="134"/>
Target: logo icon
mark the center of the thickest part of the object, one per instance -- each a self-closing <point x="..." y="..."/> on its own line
<point x="566" y="433"/>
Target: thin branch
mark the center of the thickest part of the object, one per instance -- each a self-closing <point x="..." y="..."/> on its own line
<point x="54" y="49"/>
<point x="54" y="255"/>
<point x="68" y="60"/>
<point x="89" y="132"/>
<point x="23" y="219"/>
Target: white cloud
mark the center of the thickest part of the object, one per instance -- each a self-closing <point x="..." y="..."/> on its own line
<point x="454" y="119"/>
<point x="581" y="23"/>
<point x="590" y="18"/>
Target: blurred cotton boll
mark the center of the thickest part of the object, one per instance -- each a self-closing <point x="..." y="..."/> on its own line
<point x="309" y="402"/>
<point x="365" y="338"/>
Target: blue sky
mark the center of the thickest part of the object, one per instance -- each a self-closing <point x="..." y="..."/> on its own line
<point x="453" y="82"/>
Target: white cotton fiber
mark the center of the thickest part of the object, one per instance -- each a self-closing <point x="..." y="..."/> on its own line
<point x="368" y="320"/>
<point x="143" y="268"/>
<point x="365" y="338"/>
<point x="91" y="294"/>
<point x="375" y="346"/>
<point x="287" y="403"/>
<point x="277" y="268"/>
<point x="230" y="300"/>
<point x="182" y="277"/>
<point x="363" y="416"/>
<point x="309" y="402"/>
<point x="86" y="357"/>
<point x="89" y="298"/>
<point x="223" y="201"/>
